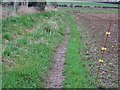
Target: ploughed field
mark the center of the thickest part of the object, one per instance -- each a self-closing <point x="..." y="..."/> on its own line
<point x="99" y="24"/>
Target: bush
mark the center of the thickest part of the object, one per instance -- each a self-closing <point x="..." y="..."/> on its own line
<point x="71" y="5"/>
<point x="54" y="4"/>
<point x="22" y="41"/>
<point x="32" y="4"/>
<point x="7" y="52"/>
<point x="41" y="6"/>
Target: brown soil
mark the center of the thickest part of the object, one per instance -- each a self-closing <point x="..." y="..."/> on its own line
<point x="55" y="77"/>
<point x="20" y="11"/>
<point x="98" y="24"/>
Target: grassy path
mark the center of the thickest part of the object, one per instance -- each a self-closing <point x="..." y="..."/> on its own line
<point x="71" y="64"/>
<point x="56" y="77"/>
<point x="76" y="64"/>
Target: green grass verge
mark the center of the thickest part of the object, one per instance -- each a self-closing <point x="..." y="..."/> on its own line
<point x="85" y="3"/>
<point x="29" y="43"/>
<point x="76" y="70"/>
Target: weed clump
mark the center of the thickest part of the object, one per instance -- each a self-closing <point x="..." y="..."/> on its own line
<point x="7" y="36"/>
<point x="7" y="52"/>
<point x="22" y="41"/>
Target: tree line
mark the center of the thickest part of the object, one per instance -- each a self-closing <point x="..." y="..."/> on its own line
<point x="15" y="4"/>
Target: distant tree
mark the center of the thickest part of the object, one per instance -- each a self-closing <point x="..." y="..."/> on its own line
<point x="71" y="5"/>
<point x="32" y="4"/>
<point x="54" y="4"/>
<point x="41" y="6"/>
<point x="7" y="4"/>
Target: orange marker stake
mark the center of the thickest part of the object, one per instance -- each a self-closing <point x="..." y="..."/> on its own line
<point x="103" y="50"/>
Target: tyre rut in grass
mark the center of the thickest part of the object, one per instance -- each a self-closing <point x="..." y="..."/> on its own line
<point x="55" y="76"/>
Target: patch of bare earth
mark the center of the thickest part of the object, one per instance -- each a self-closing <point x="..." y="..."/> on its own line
<point x="27" y="10"/>
<point x="22" y="10"/>
<point x="55" y="77"/>
<point x="50" y="8"/>
<point x="98" y="24"/>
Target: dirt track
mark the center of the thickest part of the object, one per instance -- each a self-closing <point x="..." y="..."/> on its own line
<point x="56" y="76"/>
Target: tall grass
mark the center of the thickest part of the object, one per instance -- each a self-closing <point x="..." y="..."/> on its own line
<point x="29" y="43"/>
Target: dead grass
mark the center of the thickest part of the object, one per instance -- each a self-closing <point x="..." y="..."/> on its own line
<point x="50" y="8"/>
<point x="21" y="11"/>
<point x="27" y="10"/>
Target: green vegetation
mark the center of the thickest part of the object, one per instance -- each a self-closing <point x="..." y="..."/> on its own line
<point x="85" y="10"/>
<point x="54" y="4"/>
<point x="29" y="43"/>
<point x="84" y="3"/>
<point x="40" y="5"/>
<point x="76" y="65"/>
